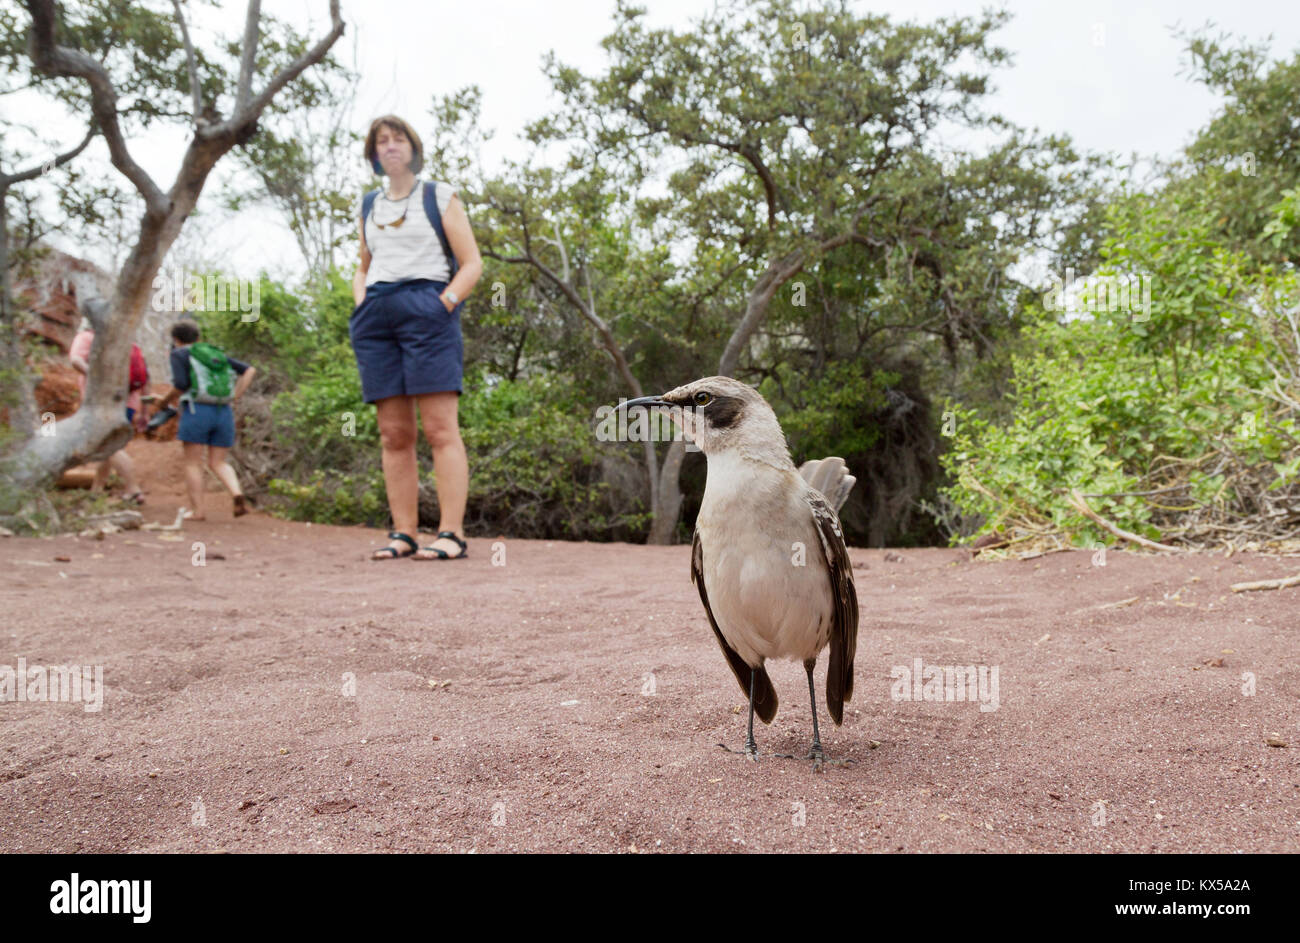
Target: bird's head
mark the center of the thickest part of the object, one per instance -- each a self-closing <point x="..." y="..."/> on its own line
<point x="721" y="414"/>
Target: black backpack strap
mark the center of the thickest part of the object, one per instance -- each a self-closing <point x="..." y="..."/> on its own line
<point x="435" y="218"/>
<point x="367" y="203"/>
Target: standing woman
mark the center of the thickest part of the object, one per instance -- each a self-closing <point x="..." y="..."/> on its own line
<point x="406" y="334"/>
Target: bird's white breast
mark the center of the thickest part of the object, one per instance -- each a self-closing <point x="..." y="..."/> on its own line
<point x="764" y="568"/>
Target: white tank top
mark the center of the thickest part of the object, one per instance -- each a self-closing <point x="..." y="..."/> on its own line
<point x="413" y="249"/>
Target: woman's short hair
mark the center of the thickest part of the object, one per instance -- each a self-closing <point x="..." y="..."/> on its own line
<point x="394" y="123"/>
<point x="186" y="331"/>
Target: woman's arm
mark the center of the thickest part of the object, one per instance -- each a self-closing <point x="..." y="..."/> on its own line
<point x="243" y="382"/>
<point x="455" y="223"/>
<point x="79" y="352"/>
<point x="359" y="279"/>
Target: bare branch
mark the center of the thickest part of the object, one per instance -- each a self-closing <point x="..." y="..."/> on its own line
<point x="1077" y="500"/>
<point x="586" y="277"/>
<point x="7" y="180"/>
<point x="558" y="242"/>
<point x="53" y="59"/>
<point x="195" y="94"/>
<point x="316" y="53"/>
<point x="770" y="190"/>
<point x="764" y="174"/>
<point x="249" y="58"/>
<point x="512" y="259"/>
<point x="608" y="342"/>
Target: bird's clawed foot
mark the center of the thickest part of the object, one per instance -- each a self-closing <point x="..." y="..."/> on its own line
<point x="751" y="750"/>
<point x="818" y="756"/>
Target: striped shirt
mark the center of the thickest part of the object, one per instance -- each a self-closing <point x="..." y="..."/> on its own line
<point x="412" y="250"/>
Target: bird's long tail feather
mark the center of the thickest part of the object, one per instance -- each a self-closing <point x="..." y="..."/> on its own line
<point x="831" y="477"/>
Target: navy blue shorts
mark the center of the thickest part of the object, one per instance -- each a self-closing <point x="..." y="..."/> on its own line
<point x="406" y="342"/>
<point x="207" y="424"/>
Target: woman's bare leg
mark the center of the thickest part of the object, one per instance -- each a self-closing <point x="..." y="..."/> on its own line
<point x="397" y="432"/>
<point x="221" y="468"/>
<point x="194" y="477"/>
<point x="122" y="464"/>
<point x="439" y="415"/>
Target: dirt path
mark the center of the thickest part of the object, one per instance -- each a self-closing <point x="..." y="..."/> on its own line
<point x="573" y="698"/>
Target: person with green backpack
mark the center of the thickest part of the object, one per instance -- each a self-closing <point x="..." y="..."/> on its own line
<point x="206" y="381"/>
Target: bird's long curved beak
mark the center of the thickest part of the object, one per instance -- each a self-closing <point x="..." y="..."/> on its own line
<point x="646" y="401"/>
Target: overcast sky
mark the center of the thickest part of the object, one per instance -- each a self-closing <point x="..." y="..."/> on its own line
<point x="1105" y="72"/>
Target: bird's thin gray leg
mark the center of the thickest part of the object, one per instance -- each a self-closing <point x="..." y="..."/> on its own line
<point x="816" y="750"/>
<point x="816" y="754"/>
<point x="751" y="748"/>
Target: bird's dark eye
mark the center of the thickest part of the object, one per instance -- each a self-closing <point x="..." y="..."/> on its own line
<point x="702" y="398"/>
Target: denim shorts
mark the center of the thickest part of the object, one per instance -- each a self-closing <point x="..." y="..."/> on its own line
<point x="207" y="424"/>
<point x="405" y="341"/>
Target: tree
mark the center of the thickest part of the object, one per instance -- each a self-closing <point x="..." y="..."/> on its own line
<point x="558" y="225"/>
<point x="22" y="410"/>
<point x="796" y="134"/>
<point x="124" y="65"/>
<point x="566" y="235"/>
<point x="306" y="167"/>
<point x="1248" y="156"/>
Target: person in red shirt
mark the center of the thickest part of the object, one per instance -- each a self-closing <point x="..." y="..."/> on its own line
<point x="119" y="461"/>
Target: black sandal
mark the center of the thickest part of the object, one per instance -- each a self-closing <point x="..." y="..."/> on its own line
<point x="393" y="552"/>
<point x="442" y="554"/>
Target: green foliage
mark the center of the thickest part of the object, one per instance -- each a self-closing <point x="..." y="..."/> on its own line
<point x="1179" y="421"/>
<point x="1248" y="156"/>
<point x="142" y="49"/>
<point x="1179" y="407"/>
<point x="836" y="415"/>
<point x="796" y="131"/>
<point x="535" y="462"/>
<point x="328" y="498"/>
<point x="295" y="334"/>
<point x="534" y="459"/>
<point x="65" y="511"/>
<point x="775" y="145"/>
<point x="1285" y="219"/>
<point x="328" y="439"/>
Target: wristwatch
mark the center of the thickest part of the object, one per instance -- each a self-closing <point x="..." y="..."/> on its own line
<point x="453" y="297"/>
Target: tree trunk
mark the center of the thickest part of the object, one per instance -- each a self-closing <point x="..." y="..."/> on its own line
<point x="668" y="507"/>
<point x="667" y="504"/>
<point x="21" y="408"/>
<point x="99" y="428"/>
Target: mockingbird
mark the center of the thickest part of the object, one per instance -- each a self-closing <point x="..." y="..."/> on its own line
<point x="768" y="555"/>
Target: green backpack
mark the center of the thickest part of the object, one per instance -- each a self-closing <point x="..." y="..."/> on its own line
<point x="211" y="376"/>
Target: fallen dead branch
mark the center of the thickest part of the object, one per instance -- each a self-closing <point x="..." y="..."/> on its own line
<point x="1120" y="604"/>
<point x="1077" y="500"/>
<point x="1266" y="584"/>
<point x="174" y="525"/>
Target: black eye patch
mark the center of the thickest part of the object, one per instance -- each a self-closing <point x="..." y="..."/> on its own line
<point x="723" y="411"/>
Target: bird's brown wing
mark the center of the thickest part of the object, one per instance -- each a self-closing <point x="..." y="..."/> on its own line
<point x="764" y="694"/>
<point x="844" y="612"/>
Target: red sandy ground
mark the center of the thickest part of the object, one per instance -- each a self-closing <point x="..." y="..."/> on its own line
<point x="508" y="708"/>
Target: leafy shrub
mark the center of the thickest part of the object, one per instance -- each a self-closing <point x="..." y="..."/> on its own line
<point x="1177" y="426"/>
